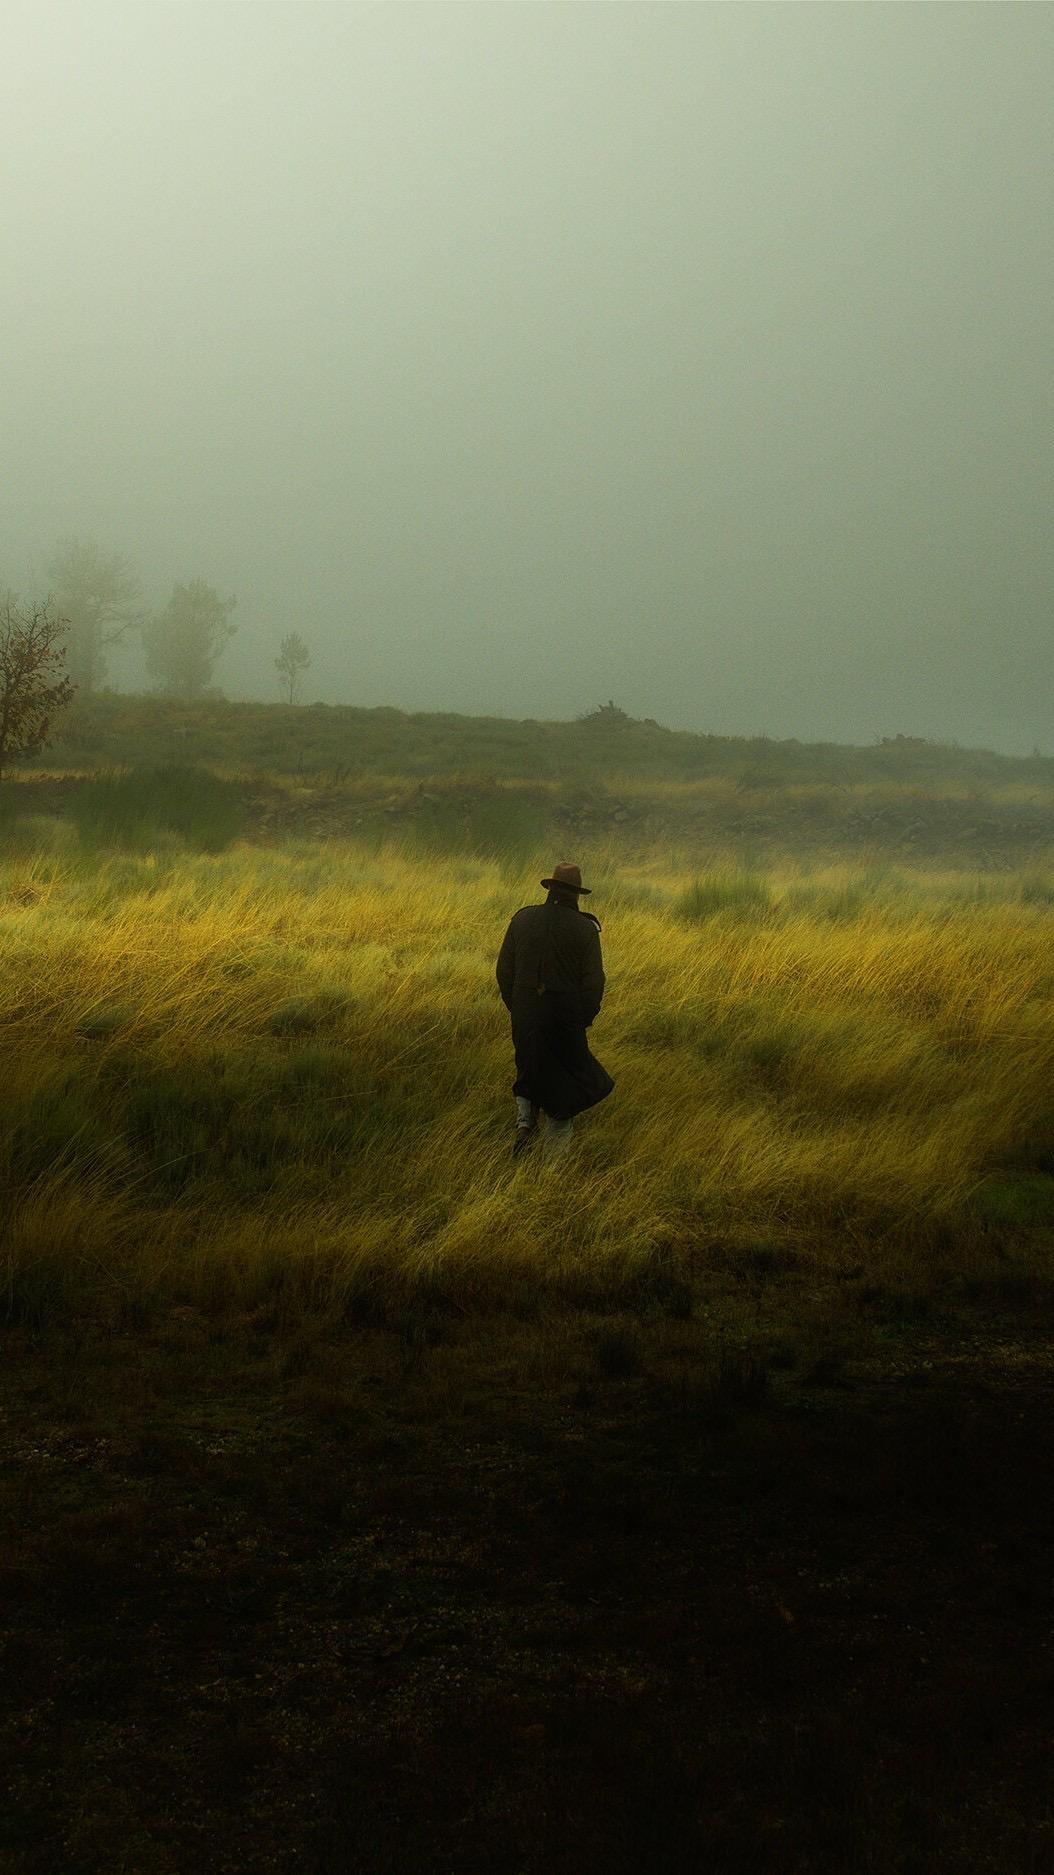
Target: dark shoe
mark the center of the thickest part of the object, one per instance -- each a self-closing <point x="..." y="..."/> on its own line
<point x="524" y="1136"/>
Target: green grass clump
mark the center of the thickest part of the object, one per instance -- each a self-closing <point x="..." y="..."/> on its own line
<point x="734" y="894"/>
<point x="99" y="1024"/>
<point x="841" y="903"/>
<point x="150" y="808"/>
<point x="303" y="1015"/>
<point x="497" y="825"/>
<point x="57" y="1127"/>
<point x="23" y="834"/>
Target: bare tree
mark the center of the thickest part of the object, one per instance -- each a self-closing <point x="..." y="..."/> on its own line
<point x="295" y="658"/>
<point x="99" y="596"/>
<point x="33" y="680"/>
<point x="183" y="642"/>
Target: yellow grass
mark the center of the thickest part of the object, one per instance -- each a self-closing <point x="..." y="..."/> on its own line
<point x="781" y="1071"/>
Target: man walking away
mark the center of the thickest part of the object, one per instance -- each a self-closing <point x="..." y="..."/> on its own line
<point x="551" y="977"/>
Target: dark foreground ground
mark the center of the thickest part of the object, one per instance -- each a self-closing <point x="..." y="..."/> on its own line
<point x="399" y="1603"/>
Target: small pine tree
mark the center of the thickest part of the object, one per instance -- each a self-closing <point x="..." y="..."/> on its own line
<point x="292" y="661"/>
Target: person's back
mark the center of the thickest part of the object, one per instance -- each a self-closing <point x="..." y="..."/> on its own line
<point x="551" y="976"/>
<point x="553" y="949"/>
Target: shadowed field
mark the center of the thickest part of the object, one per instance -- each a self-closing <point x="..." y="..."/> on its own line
<point x="481" y="1599"/>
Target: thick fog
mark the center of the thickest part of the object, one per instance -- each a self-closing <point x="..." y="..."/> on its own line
<point x="526" y="356"/>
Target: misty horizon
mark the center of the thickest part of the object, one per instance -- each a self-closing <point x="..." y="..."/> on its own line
<point x="525" y="357"/>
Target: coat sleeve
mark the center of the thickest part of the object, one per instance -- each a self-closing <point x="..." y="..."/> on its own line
<point x="592" y="985"/>
<point x="506" y="971"/>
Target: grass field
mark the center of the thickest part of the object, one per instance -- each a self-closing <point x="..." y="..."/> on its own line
<point x="373" y="1501"/>
<point x="241" y="1073"/>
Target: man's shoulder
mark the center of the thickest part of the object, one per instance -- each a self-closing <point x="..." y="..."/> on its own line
<point x="574" y="917"/>
<point x="525" y="916"/>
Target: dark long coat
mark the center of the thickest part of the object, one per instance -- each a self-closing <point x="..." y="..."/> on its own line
<point x="551" y="977"/>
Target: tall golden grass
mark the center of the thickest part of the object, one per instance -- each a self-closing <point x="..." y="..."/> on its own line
<point x="288" y="1070"/>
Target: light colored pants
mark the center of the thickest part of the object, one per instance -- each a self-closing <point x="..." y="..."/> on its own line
<point x="557" y="1132"/>
<point x="557" y="1136"/>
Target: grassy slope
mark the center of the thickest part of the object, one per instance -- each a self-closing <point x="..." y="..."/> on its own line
<point x="340" y="740"/>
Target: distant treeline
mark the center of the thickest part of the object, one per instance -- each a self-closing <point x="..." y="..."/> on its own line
<point x="106" y="729"/>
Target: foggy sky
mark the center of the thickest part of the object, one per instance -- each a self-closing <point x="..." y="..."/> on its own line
<point x="523" y="356"/>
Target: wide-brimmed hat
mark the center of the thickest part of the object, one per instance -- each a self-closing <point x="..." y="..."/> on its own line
<point x="568" y="875"/>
